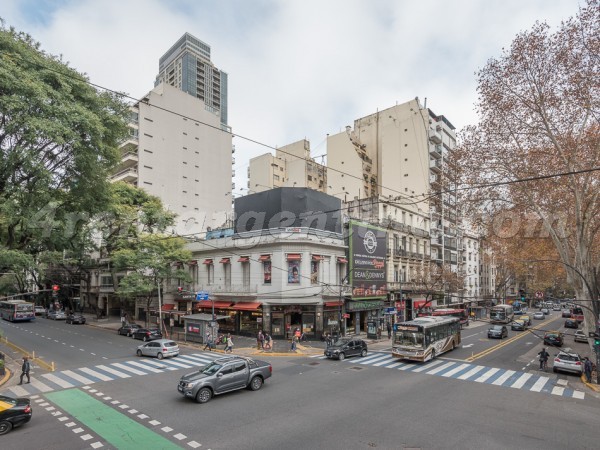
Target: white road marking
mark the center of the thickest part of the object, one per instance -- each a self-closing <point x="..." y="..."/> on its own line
<point x="95" y="374"/>
<point x="502" y="378"/>
<point x="521" y="381"/>
<point x="77" y="377"/>
<point x="539" y="384"/>
<point x="471" y="372"/>
<point x="483" y="378"/>
<point x="114" y="372"/>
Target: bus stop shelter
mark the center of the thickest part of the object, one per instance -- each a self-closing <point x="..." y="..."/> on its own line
<point x="197" y="325"/>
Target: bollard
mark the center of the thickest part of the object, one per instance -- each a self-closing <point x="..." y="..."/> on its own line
<point x="52" y="366"/>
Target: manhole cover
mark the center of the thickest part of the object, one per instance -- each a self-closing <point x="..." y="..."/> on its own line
<point x="355" y="368"/>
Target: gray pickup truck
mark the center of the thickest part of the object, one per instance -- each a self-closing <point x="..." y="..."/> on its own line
<point x="224" y="375"/>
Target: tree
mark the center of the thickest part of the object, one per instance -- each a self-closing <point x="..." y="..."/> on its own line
<point x="433" y="280"/>
<point x="538" y="113"/>
<point x="155" y="260"/>
<point x="58" y="146"/>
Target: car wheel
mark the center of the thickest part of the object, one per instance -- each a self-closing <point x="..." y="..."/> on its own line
<point x="341" y="356"/>
<point x="139" y="353"/>
<point x="363" y="353"/>
<point x="5" y="427"/>
<point x="159" y="356"/>
<point x="203" y="395"/>
<point x="256" y="383"/>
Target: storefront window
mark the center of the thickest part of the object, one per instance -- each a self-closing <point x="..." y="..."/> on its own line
<point x="277" y="324"/>
<point x="249" y="323"/>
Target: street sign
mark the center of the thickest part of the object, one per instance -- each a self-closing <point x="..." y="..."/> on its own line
<point x="346" y="316"/>
<point x="391" y="310"/>
<point x="201" y="295"/>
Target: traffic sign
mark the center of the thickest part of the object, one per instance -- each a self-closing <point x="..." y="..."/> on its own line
<point x="201" y="295"/>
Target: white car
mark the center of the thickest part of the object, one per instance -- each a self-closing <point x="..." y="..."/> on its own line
<point x="580" y="336"/>
<point x="568" y="361"/>
<point x="159" y="348"/>
<point x="538" y="316"/>
<point x="39" y="310"/>
<point x="56" y="315"/>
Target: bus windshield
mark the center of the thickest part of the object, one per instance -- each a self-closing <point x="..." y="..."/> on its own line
<point x="409" y="339"/>
<point x="25" y="307"/>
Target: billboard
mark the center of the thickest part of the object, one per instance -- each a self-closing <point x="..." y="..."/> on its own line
<point x="367" y="247"/>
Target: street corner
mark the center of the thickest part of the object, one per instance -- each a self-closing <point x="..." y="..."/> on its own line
<point x="593" y="387"/>
<point x="4" y="378"/>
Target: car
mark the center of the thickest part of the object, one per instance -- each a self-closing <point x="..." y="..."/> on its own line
<point x="526" y="319"/>
<point x="554" y="338"/>
<point x="566" y="313"/>
<point x="538" y="316"/>
<point x="13" y="412"/>
<point x="556" y="308"/>
<point x="518" y="312"/>
<point x="39" y="310"/>
<point x="75" y="318"/>
<point x="56" y="315"/>
<point x="160" y="348"/>
<point x="568" y="361"/>
<point x="346" y="347"/>
<point x="580" y="336"/>
<point x="518" y="325"/>
<point x="571" y="323"/>
<point x="545" y="311"/>
<point x="127" y="330"/>
<point x="224" y="375"/>
<point x="497" y="331"/>
<point x="146" y="334"/>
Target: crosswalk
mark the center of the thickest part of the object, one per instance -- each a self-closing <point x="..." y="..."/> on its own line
<point x="460" y="370"/>
<point x="83" y="376"/>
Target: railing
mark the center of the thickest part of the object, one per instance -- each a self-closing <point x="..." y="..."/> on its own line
<point x="230" y="289"/>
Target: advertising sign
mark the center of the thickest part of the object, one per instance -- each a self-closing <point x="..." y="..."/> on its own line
<point x="367" y="247"/>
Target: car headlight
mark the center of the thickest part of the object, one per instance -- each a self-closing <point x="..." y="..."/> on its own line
<point x="336" y="351"/>
<point x="191" y="384"/>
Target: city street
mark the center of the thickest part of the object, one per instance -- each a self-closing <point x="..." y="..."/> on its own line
<point x="310" y="402"/>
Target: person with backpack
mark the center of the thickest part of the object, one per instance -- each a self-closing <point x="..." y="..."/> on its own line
<point x="25" y="368"/>
<point x="543" y="358"/>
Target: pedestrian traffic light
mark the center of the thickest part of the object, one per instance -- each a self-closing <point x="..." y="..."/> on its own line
<point x="55" y="288"/>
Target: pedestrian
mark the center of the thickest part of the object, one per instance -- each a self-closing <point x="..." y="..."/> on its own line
<point x="229" y="345"/>
<point x="587" y="368"/>
<point x="543" y="358"/>
<point x="260" y="340"/>
<point x="209" y="342"/>
<point x="25" y="368"/>
<point x="267" y="341"/>
<point x="294" y="343"/>
<point x="328" y="340"/>
<point x="389" y="330"/>
<point x="379" y="332"/>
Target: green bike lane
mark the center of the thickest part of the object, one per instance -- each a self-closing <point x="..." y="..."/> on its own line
<point x="114" y="427"/>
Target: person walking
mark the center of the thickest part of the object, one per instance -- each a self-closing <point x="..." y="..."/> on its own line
<point x="543" y="358"/>
<point x="267" y="342"/>
<point x="294" y="343"/>
<point x="587" y="368"/>
<point x="209" y="342"/>
<point x="25" y="368"/>
<point x="229" y="344"/>
<point x="389" y="329"/>
<point x="260" y="341"/>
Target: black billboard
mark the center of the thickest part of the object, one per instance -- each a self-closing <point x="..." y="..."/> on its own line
<point x="367" y="246"/>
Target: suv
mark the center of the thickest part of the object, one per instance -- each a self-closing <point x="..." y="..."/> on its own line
<point x="346" y="347"/>
<point x="554" y="338"/>
<point x="497" y="331"/>
<point x="146" y="334"/>
<point x="568" y="361"/>
<point x="128" y="329"/>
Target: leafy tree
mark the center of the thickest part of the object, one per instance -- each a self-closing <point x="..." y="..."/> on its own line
<point x="433" y="280"/>
<point x="538" y="112"/>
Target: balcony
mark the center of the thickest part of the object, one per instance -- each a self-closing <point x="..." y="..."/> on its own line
<point x="437" y="241"/>
<point x="128" y="159"/>
<point x="435" y="151"/>
<point x="128" y="175"/>
<point x="232" y="289"/>
<point x="435" y="137"/>
<point x="435" y="165"/>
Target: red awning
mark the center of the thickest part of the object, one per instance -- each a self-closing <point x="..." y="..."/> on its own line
<point x="208" y="261"/>
<point x="244" y="259"/>
<point x="317" y="257"/>
<point x="193" y="263"/>
<point x="208" y="304"/>
<point x="168" y="306"/>
<point x="247" y="306"/>
<point x="294" y="256"/>
<point x="265" y="258"/>
<point x="225" y="261"/>
<point x="342" y="260"/>
<point x="330" y="304"/>
<point x="420" y="303"/>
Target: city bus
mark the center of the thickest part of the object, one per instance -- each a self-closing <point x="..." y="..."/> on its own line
<point x="502" y="314"/>
<point x="424" y="338"/>
<point x="577" y="313"/>
<point x="462" y="314"/>
<point x="16" y="310"/>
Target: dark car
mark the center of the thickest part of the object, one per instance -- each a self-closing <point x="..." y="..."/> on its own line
<point x="343" y="348"/>
<point x="571" y="323"/>
<point x="13" y="412"/>
<point x="127" y="330"/>
<point x="147" y="334"/>
<point x="553" y="338"/>
<point x="497" y="331"/>
<point x="75" y="318"/>
<point x="518" y="325"/>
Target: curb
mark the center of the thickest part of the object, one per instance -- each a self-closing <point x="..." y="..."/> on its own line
<point x="593" y="387"/>
<point x="6" y="377"/>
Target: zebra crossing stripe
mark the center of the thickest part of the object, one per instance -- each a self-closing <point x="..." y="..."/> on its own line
<point x="387" y="360"/>
<point x="539" y="384"/>
<point x="439" y="369"/>
<point x="197" y="358"/>
<point x="471" y="372"/>
<point x="128" y="369"/>
<point x="394" y="365"/>
<point x="40" y="386"/>
<point x="145" y="366"/>
<point x="372" y="358"/>
<point x="56" y="380"/>
<point x="557" y="390"/>
<point x="578" y="394"/>
<point x="426" y="366"/>
<point x="502" y="378"/>
<point x="456" y="370"/>
<point x="159" y="365"/>
<point x="95" y="374"/>
<point x="521" y="381"/>
<point x="487" y="375"/>
<point x="114" y="372"/>
<point x="177" y="364"/>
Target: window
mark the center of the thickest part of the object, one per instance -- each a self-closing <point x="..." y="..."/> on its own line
<point x="267" y="272"/>
<point x="210" y="273"/>
<point x="294" y="271"/>
<point x="276" y="177"/>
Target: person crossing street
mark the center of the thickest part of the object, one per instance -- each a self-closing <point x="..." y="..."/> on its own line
<point x="25" y="368"/>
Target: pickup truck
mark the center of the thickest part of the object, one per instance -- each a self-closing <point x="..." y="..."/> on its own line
<point x="224" y="375"/>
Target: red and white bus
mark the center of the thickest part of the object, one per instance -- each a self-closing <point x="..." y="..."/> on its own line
<point x="462" y="314"/>
<point x="16" y="310"/>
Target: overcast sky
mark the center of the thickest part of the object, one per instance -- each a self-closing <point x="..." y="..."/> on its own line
<point x="297" y="68"/>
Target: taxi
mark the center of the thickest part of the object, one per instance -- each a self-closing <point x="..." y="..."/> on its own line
<point x="526" y="319"/>
<point x="13" y="412"/>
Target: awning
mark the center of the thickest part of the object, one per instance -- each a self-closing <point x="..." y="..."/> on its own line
<point x="208" y="304"/>
<point x="168" y="307"/>
<point x="265" y="258"/>
<point x="330" y="304"/>
<point x="420" y="303"/>
<point x="208" y="261"/>
<point x="294" y="256"/>
<point x="225" y="261"/>
<point x="193" y="263"/>
<point x="247" y="306"/>
<point x="342" y="260"/>
<point x="317" y="257"/>
<point x="244" y="259"/>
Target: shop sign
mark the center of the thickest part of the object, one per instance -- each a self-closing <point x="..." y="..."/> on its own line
<point x="367" y="270"/>
<point x="193" y="328"/>
<point x="332" y="322"/>
<point x="364" y="305"/>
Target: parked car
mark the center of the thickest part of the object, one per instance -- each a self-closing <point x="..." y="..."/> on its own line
<point x="538" y="316"/>
<point x="345" y="347"/>
<point x="39" y="310"/>
<point x="554" y="338"/>
<point x="568" y="361"/>
<point x="497" y="331"/>
<point x="146" y="334"/>
<point x="571" y="323"/>
<point x="76" y="318"/>
<point x="160" y="348"/>
<point x="224" y="375"/>
<point x="580" y="336"/>
<point x="545" y="311"/>
<point x="56" y="315"/>
<point x="566" y="313"/>
<point x="526" y="319"/>
<point x="518" y="325"/>
<point x="13" y="412"/>
<point x="127" y="330"/>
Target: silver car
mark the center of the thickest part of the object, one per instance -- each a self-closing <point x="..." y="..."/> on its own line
<point x="580" y="336"/>
<point x="56" y="315"/>
<point x="568" y="361"/>
<point x="160" y="348"/>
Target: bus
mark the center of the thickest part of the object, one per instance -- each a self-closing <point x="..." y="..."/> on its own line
<point x="577" y="313"/>
<point x="424" y="338"/>
<point x="502" y="314"/>
<point x="462" y="314"/>
<point x="16" y="310"/>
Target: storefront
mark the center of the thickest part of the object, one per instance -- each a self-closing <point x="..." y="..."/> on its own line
<point x="285" y="319"/>
<point x="243" y="318"/>
<point x="332" y="315"/>
<point x="358" y="312"/>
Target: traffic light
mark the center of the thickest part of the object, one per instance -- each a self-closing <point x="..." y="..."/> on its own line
<point x="55" y="288"/>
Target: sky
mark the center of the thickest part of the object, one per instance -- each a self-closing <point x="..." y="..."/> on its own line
<point x="298" y="69"/>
